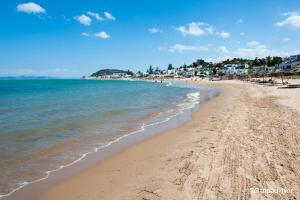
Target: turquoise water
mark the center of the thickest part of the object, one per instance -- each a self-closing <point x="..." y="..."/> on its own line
<point x="45" y="124"/>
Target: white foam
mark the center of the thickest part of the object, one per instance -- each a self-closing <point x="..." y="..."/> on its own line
<point x="193" y="95"/>
<point x="169" y="84"/>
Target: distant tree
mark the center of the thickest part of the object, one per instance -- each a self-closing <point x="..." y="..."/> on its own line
<point x="157" y="70"/>
<point x="184" y="67"/>
<point x="259" y="61"/>
<point x="227" y="61"/>
<point x="214" y="70"/>
<point x="276" y="60"/>
<point x="218" y="65"/>
<point x="269" y="61"/>
<point x="200" y="62"/>
<point x="150" y="71"/>
<point x="170" y="67"/>
<point x="263" y="61"/>
<point x="129" y="72"/>
<point x="194" y="64"/>
<point x="256" y="62"/>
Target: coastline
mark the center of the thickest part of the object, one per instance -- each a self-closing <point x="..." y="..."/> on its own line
<point x="222" y="152"/>
<point x="30" y="189"/>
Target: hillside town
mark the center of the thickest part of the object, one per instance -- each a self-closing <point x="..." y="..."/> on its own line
<point x="228" y="69"/>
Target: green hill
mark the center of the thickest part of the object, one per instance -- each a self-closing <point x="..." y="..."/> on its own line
<point x="105" y="72"/>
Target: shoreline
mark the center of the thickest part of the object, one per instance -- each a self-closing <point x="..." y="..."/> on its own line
<point x="222" y="152"/>
<point x="30" y="189"/>
<point x="203" y="109"/>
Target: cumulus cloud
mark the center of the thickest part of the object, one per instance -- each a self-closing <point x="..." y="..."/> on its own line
<point x="86" y="34"/>
<point x="83" y="19"/>
<point x="86" y="19"/>
<point x="222" y="50"/>
<point x="154" y="30"/>
<point x="180" y="48"/>
<point x="109" y="16"/>
<point x="292" y="20"/>
<point x="195" y="29"/>
<point x="223" y="34"/>
<point x="219" y="59"/>
<point x="256" y="49"/>
<point x="95" y="15"/>
<point x="253" y="43"/>
<point x="210" y="29"/>
<point x="102" y="35"/>
<point x="30" y="8"/>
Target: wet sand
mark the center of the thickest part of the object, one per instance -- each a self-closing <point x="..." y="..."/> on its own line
<point x="243" y="144"/>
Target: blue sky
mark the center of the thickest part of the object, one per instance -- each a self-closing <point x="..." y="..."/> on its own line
<point x="75" y="38"/>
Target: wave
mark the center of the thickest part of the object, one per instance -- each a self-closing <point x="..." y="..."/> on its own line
<point x="169" y="84"/>
<point x="193" y="95"/>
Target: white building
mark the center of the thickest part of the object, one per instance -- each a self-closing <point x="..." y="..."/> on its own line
<point x="171" y="72"/>
<point x="235" y="69"/>
<point x="203" y="72"/>
<point x="241" y="69"/>
<point x="260" y="69"/>
<point x="290" y="62"/>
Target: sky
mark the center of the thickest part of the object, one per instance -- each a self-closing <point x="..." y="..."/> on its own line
<point x="67" y="38"/>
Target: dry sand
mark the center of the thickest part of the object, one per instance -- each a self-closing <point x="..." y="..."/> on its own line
<point x="248" y="137"/>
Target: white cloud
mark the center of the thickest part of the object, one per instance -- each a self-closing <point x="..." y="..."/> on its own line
<point x="154" y="30"/>
<point x="286" y="39"/>
<point x="196" y="29"/>
<point x="253" y="43"/>
<point x="95" y="15"/>
<point x="239" y="21"/>
<point x="86" y="34"/>
<point x="109" y="16"/>
<point x="180" y="48"/>
<point x="30" y="8"/>
<point x="219" y="59"/>
<point x="256" y="49"/>
<point x="292" y="20"/>
<point x="222" y="50"/>
<point x="102" y="35"/>
<point x="289" y="13"/>
<point x="210" y="29"/>
<point x="83" y="19"/>
<point x="223" y="34"/>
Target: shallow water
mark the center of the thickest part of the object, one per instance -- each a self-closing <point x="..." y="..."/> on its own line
<point x="46" y="124"/>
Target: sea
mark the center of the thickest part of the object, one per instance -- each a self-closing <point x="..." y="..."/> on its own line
<point x="49" y="125"/>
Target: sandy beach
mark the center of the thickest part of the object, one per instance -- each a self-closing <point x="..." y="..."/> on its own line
<point x="243" y="144"/>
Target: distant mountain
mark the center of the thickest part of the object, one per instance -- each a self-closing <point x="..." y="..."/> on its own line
<point x="25" y="77"/>
<point x="106" y="72"/>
